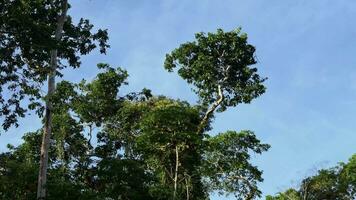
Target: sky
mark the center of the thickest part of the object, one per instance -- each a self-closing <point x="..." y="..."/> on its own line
<point x="306" y="48"/>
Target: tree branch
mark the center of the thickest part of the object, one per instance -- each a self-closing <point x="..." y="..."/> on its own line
<point x="211" y="110"/>
<point x="217" y="103"/>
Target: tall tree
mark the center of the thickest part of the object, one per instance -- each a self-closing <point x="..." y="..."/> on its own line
<point x="42" y="176"/>
<point x="38" y="39"/>
<point x="171" y="148"/>
<point x="220" y="66"/>
<point x="161" y="133"/>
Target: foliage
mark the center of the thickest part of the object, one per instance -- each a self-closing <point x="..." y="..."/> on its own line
<point x="143" y="155"/>
<point x="219" y="61"/>
<point x="27" y="36"/>
<point x="99" y="98"/>
<point x="335" y="183"/>
<point x="227" y="167"/>
<point x="170" y="145"/>
<point x="290" y="194"/>
<point x="18" y="170"/>
<point x="106" y="145"/>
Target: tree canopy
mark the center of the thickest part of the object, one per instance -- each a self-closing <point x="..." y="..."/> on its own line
<point x="27" y="33"/>
<point x="133" y="146"/>
<point x="334" y="183"/>
<point x="98" y="143"/>
<point x="220" y="66"/>
<point x="147" y="148"/>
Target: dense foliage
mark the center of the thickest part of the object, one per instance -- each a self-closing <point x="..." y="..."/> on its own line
<point x="220" y="67"/>
<point x="219" y="64"/>
<point x="27" y="29"/>
<point x="147" y="147"/>
<point x="104" y="145"/>
<point x="338" y="183"/>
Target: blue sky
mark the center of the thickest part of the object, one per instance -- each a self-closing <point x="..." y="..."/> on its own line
<point x="306" y="49"/>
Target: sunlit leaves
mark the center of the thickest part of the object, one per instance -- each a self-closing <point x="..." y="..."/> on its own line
<point x="222" y="59"/>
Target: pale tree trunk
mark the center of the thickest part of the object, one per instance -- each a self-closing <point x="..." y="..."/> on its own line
<point x="210" y="112"/>
<point x="42" y="176"/>
<point x="187" y="182"/>
<point x="176" y="174"/>
<point x="215" y="105"/>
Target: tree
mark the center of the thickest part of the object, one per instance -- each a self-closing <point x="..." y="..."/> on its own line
<point x="226" y="164"/>
<point x="160" y="134"/>
<point x="42" y="177"/>
<point x="27" y="36"/>
<point x="147" y="146"/>
<point x="19" y="169"/>
<point x="38" y="39"/>
<point x="335" y="183"/>
<point x="219" y="65"/>
<point x="185" y="165"/>
<point x="71" y="165"/>
<point x="171" y="148"/>
<point x="290" y="194"/>
<point x="348" y="177"/>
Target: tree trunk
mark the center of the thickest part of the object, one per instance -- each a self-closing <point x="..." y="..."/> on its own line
<point x="176" y="174"/>
<point x="42" y="176"/>
<point x="187" y="188"/>
<point x="217" y="103"/>
<point x="210" y="112"/>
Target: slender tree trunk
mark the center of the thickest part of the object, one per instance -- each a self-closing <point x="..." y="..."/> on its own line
<point x="176" y="174"/>
<point x="42" y="176"/>
<point x="187" y="188"/>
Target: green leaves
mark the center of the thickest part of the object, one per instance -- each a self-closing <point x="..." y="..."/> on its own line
<point x="290" y="194"/>
<point x="335" y="183"/>
<point x="159" y="129"/>
<point x="147" y="147"/>
<point x="26" y="38"/>
<point x="226" y="165"/>
<point x="219" y="61"/>
<point x="155" y="131"/>
<point x="99" y="98"/>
